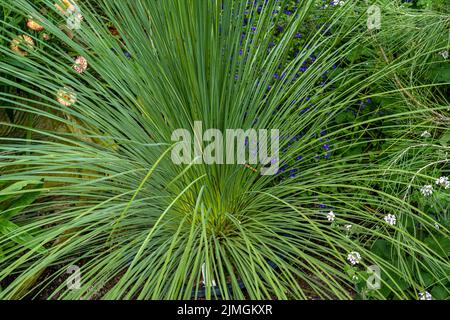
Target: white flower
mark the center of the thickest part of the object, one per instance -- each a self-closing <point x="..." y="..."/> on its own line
<point x="427" y="190"/>
<point x="331" y="216"/>
<point x="354" y="257"/>
<point x="425" y="134"/>
<point x="436" y="225"/>
<point x="74" y="21"/>
<point x="337" y="2"/>
<point x="444" y="54"/>
<point x="390" y="219"/>
<point x="348" y="227"/>
<point x="425" y="296"/>
<point x="443" y="182"/>
<point x="80" y="64"/>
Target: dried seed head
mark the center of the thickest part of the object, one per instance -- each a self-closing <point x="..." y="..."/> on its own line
<point x="33" y="25"/>
<point x="22" y="40"/>
<point x="66" y="96"/>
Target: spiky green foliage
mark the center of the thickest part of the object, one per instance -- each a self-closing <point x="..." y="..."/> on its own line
<point x="115" y="204"/>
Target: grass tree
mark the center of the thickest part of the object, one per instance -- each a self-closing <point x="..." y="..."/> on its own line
<point x="114" y="203"/>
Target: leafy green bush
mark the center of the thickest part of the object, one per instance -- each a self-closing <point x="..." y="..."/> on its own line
<point x="11" y="205"/>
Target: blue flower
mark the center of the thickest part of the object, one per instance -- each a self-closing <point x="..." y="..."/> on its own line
<point x="127" y="54"/>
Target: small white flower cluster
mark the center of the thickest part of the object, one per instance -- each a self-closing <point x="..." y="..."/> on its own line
<point x="331" y="216"/>
<point x="337" y="2"/>
<point x="427" y="190"/>
<point x="348" y="227"/>
<point x="80" y="65"/>
<point x="390" y="219"/>
<point x="443" y="182"/>
<point x="354" y="257"/>
<point x="444" y="54"/>
<point x="425" y="134"/>
<point x="425" y="296"/>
